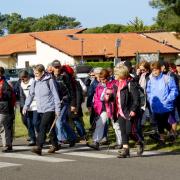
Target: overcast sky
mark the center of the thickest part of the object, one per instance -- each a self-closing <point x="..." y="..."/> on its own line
<point x="90" y="13"/>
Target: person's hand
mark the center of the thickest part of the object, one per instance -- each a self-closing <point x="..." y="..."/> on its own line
<point x="57" y="114"/>
<point x="24" y="111"/>
<point x="73" y="109"/>
<point x="132" y="114"/>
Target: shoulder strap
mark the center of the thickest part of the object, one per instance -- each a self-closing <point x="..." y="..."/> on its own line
<point x="46" y="82"/>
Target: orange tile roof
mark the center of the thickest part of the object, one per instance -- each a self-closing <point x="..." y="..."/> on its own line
<point x="104" y="44"/>
<point x="93" y="44"/>
<point x="24" y="42"/>
<point x="170" y="38"/>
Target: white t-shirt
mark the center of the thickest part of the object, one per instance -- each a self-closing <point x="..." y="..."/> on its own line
<point x="26" y="87"/>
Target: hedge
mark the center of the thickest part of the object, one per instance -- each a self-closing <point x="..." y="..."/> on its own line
<point x="100" y="64"/>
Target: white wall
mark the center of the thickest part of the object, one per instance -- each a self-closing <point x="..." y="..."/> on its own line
<point x="46" y="54"/>
<point x="22" y="58"/>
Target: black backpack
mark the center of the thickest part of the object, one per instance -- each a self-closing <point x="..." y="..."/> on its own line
<point x="142" y="96"/>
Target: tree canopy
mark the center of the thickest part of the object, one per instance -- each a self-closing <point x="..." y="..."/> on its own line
<point x="15" y="23"/>
<point x="168" y="17"/>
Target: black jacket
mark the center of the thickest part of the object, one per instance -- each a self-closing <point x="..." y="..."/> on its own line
<point x="79" y="101"/>
<point x="130" y="99"/>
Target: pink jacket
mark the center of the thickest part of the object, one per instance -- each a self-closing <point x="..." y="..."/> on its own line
<point x="99" y="99"/>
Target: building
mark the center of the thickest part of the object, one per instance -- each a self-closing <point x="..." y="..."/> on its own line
<point x="72" y="46"/>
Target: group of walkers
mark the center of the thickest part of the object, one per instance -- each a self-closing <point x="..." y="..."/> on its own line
<point x="51" y="101"/>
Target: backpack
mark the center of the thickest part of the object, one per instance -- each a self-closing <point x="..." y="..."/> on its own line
<point x="142" y="96"/>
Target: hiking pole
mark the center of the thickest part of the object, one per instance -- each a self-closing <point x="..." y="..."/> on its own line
<point x="53" y="124"/>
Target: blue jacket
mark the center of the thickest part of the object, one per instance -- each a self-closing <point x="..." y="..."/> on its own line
<point x="46" y="95"/>
<point x="161" y="93"/>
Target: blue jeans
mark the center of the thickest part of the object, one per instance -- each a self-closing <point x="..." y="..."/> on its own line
<point x="63" y="129"/>
<point x="31" y="117"/>
<point x="79" y="126"/>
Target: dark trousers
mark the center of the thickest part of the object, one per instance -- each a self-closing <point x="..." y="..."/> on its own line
<point x="178" y="104"/>
<point x="162" y="122"/>
<point x="47" y="120"/>
<point x="129" y="129"/>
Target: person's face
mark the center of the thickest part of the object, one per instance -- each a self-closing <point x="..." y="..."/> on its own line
<point x="103" y="80"/>
<point x="38" y="74"/>
<point x="142" y="69"/>
<point x="156" y="72"/>
<point x="178" y="69"/>
<point x="25" y="79"/>
<point x="50" y="69"/>
<point x="56" y="70"/>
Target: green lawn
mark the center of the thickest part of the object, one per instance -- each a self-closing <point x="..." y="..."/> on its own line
<point x="20" y="131"/>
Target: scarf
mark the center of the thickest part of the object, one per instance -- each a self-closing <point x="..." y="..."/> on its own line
<point x="142" y="80"/>
<point x="121" y="85"/>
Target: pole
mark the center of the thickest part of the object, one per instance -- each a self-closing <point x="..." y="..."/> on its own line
<point x="82" y="51"/>
<point x="117" y="45"/>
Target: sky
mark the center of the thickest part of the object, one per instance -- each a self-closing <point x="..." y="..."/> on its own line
<point x="91" y="13"/>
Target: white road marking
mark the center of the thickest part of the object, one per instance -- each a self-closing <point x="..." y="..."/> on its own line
<point x="133" y="152"/>
<point x="34" y="157"/>
<point x="90" y="155"/>
<point x="5" y="164"/>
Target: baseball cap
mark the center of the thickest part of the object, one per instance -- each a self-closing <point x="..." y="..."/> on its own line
<point x="56" y="63"/>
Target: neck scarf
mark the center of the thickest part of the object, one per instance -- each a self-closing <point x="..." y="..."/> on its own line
<point x="121" y="85"/>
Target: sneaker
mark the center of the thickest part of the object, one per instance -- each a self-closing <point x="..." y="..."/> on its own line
<point x="123" y="153"/>
<point x="37" y="150"/>
<point x="53" y="149"/>
<point x="7" y="149"/>
<point x="94" y="145"/>
<point x="140" y="149"/>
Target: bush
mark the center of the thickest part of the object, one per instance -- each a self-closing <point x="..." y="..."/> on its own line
<point x="100" y="64"/>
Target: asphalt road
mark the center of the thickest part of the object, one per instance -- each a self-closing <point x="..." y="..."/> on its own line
<point x="82" y="163"/>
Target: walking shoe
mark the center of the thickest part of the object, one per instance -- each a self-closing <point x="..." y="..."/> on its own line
<point x="7" y="149"/>
<point x="94" y="145"/>
<point x="31" y="143"/>
<point x="53" y="149"/>
<point x="37" y="150"/>
<point x="72" y="143"/>
<point x="140" y="149"/>
<point x="123" y="153"/>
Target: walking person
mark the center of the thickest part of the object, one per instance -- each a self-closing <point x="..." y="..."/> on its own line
<point x="161" y="93"/>
<point x="68" y="97"/>
<point x="7" y="103"/>
<point x="101" y="115"/>
<point x="44" y="90"/>
<point x="177" y="63"/>
<point x="30" y="118"/>
<point x="127" y="109"/>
